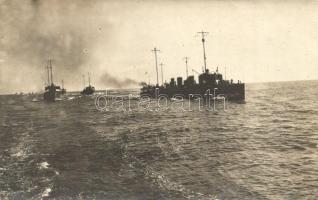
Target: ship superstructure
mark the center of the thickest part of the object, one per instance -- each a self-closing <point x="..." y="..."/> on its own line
<point x="89" y="90"/>
<point x="63" y="90"/>
<point x="51" y="90"/>
<point x="212" y="82"/>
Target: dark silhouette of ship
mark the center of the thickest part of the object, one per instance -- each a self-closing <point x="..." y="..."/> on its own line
<point x="51" y="90"/>
<point x="212" y="83"/>
<point x="63" y="90"/>
<point x="89" y="90"/>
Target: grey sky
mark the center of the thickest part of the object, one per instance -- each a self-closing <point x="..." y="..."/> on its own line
<point x="257" y="41"/>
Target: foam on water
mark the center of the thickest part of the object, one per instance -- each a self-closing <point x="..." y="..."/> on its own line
<point x="46" y="192"/>
<point x="43" y="165"/>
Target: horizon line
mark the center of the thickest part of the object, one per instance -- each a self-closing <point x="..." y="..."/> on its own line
<point x="139" y="88"/>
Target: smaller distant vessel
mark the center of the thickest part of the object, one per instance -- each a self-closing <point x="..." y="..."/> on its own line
<point x="89" y="90"/>
<point x="51" y="90"/>
<point x="63" y="90"/>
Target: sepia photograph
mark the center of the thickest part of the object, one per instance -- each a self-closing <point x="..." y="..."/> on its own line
<point x="158" y="100"/>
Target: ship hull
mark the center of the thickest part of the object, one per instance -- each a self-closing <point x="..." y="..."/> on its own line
<point x="49" y="96"/>
<point x="233" y="92"/>
<point x="88" y="90"/>
<point x="51" y="92"/>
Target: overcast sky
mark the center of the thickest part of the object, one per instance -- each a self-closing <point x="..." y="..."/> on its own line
<point x="257" y="41"/>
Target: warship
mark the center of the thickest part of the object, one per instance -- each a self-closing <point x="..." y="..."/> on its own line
<point x="207" y="82"/>
<point x="51" y="90"/>
<point x="63" y="90"/>
<point x="89" y="90"/>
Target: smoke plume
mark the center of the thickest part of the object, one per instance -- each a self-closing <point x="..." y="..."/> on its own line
<point x="110" y="81"/>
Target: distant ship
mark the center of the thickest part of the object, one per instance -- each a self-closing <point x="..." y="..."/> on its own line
<point x="51" y="90"/>
<point x="89" y="90"/>
<point x="63" y="90"/>
<point x="212" y="82"/>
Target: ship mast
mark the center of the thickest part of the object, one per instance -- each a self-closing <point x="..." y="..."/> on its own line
<point x="155" y="50"/>
<point x="203" y="40"/>
<point x="83" y="76"/>
<point x="48" y="74"/>
<point x="186" y="62"/>
<point x="51" y="70"/>
<point x="89" y="79"/>
<point x="62" y="84"/>
<point x="161" y="64"/>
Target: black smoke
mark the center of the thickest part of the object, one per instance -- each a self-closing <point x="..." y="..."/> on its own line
<point x="110" y="81"/>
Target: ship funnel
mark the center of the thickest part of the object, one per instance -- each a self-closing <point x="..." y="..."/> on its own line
<point x="179" y="81"/>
